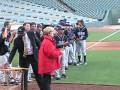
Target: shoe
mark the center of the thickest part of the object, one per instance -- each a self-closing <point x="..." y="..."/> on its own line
<point x="32" y="75"/>
<point x="13" y="82"/>
<point x="5" y="83"/>
<point x="78" y="63"/>
<point x="81" y="63"/>
<point x="66" y="68"/>
<point x="69" y="63"/>
<point x="75" y="64"/>
<point x="57" y="78"/>
<point x="29" y="80"/>
<point x="85" y="63"/>
<point x="63" y="76"/>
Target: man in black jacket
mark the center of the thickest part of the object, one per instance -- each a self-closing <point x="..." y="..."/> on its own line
<point x="27" y="57"/>
<point x="38" y="35"/>
<point x="18" y="45"/>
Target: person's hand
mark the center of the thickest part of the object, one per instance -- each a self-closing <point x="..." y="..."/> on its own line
<point x="5" y="33"/>
<point x="14" y="34"/>
<point x="62" y="51"/>
<point x="77" y="39"/>
<point x="12" y="37"/>
<point x="6" y="65"/>
<point x="66" y="43"/>
<point x="81" y="38"/>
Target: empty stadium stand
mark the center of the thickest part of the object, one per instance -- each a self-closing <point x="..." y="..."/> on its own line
<point x="95" y="12"/>
<point x="23" y="11"/>
<point x="97" y="9"/>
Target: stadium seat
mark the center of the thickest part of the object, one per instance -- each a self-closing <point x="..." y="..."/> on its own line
<point x="26" y="11"/>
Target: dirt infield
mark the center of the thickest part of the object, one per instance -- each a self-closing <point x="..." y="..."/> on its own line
<point x="114" y="45"/>
<point x="83" y="87"/>
<point x="78" y="87"/>
<point x="33" y="86"/>
<point x="110" y="28"/>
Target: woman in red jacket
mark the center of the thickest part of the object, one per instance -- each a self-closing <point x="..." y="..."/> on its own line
<point x="48" y="57"/>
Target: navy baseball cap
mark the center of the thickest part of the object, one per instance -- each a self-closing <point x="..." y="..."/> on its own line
<point x="20" y="30"/>
<point x="59" y="28"/>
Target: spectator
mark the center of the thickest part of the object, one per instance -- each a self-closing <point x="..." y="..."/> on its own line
<point x="48" y="57"/>
<point x="5" y="40"/>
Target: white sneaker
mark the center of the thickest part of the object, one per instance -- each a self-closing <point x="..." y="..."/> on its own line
<point x="81" y="63"/>
<point x="85" y="63"/>
<point x="29" y="80"/>
<point x="77" y="64"/>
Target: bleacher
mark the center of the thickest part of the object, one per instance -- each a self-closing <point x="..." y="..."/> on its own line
<point x="22" y="11"/>
<point x="49" y="3"/>
<point x="92" y="8"/>
<point x="87" y="8"/>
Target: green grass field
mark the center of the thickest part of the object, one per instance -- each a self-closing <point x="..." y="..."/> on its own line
<point x="103" y="66"/>
<point x="95" y="36"/>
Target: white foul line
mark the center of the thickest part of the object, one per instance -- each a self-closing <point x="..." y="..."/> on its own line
<point x="103" y="39"/>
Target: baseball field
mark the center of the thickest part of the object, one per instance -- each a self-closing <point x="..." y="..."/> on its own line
<point x="103" y="57"/>
<point x="103" y="60"/>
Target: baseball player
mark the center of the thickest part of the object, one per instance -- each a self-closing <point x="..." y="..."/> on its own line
<point x="81" y="34"/>
<point x="61" y="42"/>
<point x="71" y="55"/>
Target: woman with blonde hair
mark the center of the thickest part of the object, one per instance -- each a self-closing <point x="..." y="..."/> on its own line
<point x="48" y="57"/>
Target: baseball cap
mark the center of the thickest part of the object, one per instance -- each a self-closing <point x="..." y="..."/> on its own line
<point x="59" y="28"/>
<point x="20" y="30"/>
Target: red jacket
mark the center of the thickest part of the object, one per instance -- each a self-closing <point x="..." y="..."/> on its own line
<point x="48" y="56"/>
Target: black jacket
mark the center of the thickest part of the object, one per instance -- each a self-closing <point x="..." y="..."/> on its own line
<point x="18" y="45"/>
<point x="3" y="48"/>
<point x="34" y="42"/>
